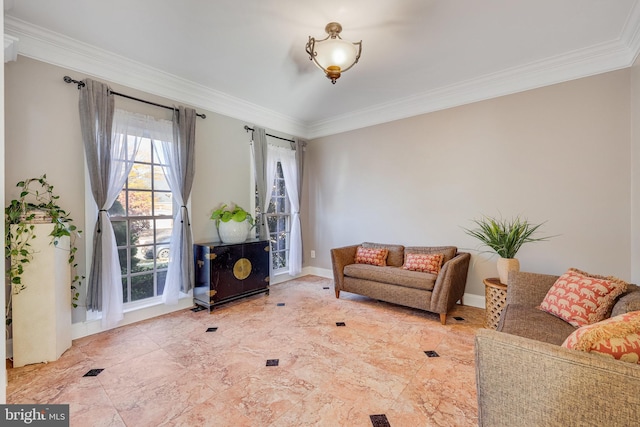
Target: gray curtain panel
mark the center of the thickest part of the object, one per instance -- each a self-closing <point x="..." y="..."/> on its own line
<point x="259" y="160"/>
<point x="183" y="165"/>
<point x="96" y="121"/>
<point x="300" y="146"/>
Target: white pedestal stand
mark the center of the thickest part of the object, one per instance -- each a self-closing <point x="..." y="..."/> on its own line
<point x="42" y="312"/>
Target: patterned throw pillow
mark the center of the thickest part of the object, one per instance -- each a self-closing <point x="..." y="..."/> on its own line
<point x="617" y="337"/>
<point x="373" y="256"/>
<point x="427" y="263"/>
<point x="581" y="298"/>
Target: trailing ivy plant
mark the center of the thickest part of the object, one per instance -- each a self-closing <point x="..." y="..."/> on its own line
<point x="37" y="202"/>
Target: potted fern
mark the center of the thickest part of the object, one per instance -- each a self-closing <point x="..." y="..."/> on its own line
<point x="505" y="237"/>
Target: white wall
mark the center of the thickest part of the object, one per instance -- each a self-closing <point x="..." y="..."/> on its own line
<point x="558" y="154"/>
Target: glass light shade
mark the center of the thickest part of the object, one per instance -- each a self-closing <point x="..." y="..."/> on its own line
<point x="335" y="53"/>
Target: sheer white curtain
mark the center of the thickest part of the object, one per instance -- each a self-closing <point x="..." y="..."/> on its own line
<point x="178" y="154"/>
<point x="287" y="159"/>
<point x="128" y="130"/>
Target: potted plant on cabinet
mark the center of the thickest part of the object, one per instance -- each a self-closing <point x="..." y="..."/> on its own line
<point x="505" y="238"/>
<point x="233" y="223"/>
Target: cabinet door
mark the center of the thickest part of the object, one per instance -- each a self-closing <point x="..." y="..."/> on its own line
<point x="202" y="272"/>
<point x="257" y="253"/>
<point x="223" y="280"/>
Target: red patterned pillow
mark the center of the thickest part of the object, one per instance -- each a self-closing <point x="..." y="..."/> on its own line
<point x="373" y="256"/>
<point x="617" y="337"/>
<point x="427" y="263"/>
<point x="581" y="298"/>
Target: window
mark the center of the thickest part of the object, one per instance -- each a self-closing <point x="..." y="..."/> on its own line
<point x="279" y="220"/>
<point x="142" y="219"/>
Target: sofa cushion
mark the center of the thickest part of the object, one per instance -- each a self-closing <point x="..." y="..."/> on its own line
<point x="448" y="252"/>
<point x="396" y="252"/>
<point x="629" y="301"/>
<point x="426" y="263"/>
<point x="581" y="298"/>
<point x="391" y="275"/>
<point x="529" y="322"/>
<point x="617" y="337"/>
<point x="373" y="256"/>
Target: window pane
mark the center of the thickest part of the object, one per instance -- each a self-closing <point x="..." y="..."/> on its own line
<point x="141" y="287"/>
<point x="142" y="221"/>
<point x="144" y="152"/>
<point x="141" y="258"/>
<point x="122" y="256"/>
<point x="279" y="261"/>
<point x="164" y="227"/>
<point x="141" y="232"/>
<point x="159" y="180"/>
<point x="140" y="177"/>
<point x="125" y="297"/>
<point x="140" y="203"/>
<point x="120" y="230"/>
<point x="162" y="277"/>
<point x="163" y="204"/>
<point x="117" y="209"/>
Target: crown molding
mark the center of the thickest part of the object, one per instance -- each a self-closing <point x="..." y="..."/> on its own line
<point x="10" y="48"/>
<point x="53" y="48"/>
<point x="582" y="63"/>
<point x="47" y="46"/>
<point x="597" y="59"/>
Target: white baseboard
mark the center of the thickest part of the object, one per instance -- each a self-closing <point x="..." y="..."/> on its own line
<point x="90" y="327"/>
<point x="474" y="300"/>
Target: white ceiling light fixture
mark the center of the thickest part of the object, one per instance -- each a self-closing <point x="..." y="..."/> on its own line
<point x="332" y="54"/>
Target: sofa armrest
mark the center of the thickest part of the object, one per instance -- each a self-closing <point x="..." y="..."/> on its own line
<point x="450" y="283"/>
<point x="339" y="258"/>
<point x="528" y="288"/>
<point x="531" y="383"/>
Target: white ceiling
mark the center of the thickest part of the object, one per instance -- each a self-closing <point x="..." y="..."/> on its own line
<point x="246" y="58"/>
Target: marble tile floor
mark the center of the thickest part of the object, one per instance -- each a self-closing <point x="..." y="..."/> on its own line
<point x="169" y="371"/>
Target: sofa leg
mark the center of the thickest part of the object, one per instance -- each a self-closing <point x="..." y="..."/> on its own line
<point x="443" y="318"/>
<point x="461" y="301"/>
<point x="337" y="293"/>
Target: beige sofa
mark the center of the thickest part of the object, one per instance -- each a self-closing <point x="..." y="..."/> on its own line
<point x="525" y="378"/>
<point x="425" y="291"/>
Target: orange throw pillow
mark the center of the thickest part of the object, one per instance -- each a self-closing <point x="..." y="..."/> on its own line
<point x="426" y="263"/>
<point x="373" y="256"/>
<point x="581" y="298"/>
<point x="617" y="337"/>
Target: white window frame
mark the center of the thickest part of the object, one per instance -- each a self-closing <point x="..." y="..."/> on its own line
<point x="129" y="275"/>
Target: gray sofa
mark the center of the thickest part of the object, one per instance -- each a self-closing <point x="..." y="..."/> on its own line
<point x="525" y="378"/>
<point x="425" y="291"/>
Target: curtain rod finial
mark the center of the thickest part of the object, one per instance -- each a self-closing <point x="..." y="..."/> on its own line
<point x="68" y="79"/>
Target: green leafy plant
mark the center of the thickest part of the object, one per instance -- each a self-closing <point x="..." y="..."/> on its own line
<point x="37" y="201"/>
<point x="503" y="236"/>
<point x="226" y="214"/>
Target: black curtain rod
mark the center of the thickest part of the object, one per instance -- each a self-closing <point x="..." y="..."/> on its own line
<point x="80" y="84"/>
<point x="247" y="128"/>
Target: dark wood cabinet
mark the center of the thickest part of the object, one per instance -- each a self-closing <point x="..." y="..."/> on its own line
<point x="225" y="272"/>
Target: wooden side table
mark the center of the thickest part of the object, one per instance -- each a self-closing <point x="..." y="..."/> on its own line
<point x="496" y="298"/>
